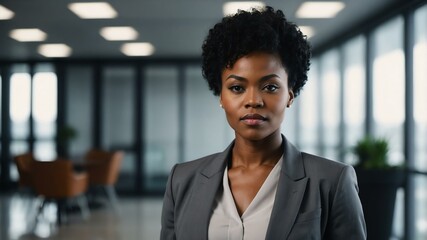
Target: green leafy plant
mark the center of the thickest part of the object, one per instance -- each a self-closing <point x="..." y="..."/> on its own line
<point x="372" y="153"/>
<point x="66" y="134"/>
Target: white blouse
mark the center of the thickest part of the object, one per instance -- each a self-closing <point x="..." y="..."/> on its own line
<point x="225" y="222"/>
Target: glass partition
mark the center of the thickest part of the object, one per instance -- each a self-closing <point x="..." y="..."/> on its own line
<point x="20" y="105"/>
<point x="389" y="97"/>
<point x="206" y="127"/>
<point x="330" y="99"/>
<point x="290" y="126"/>
<point x="309" y="112"/>
<point x="44" y="112"/>
<point x="19" y="110"/>
<point x="389" y="86"/>
<point x="420" y="117"/>
<point x="354" y="95"/>
<point x="118" y="119"/>
<point x="161" y="121"/>
<point x="79" y="86"/>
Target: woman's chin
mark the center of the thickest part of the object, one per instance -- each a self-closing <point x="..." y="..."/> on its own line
<point x="255" y="135"/>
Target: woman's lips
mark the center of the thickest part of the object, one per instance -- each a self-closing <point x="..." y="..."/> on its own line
<point x="253" y="119"/>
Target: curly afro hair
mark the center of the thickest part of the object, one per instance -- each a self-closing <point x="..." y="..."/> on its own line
<point x="263" y="30"/>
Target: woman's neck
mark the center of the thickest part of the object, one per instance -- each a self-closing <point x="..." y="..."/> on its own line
<point x="248" y="154"/>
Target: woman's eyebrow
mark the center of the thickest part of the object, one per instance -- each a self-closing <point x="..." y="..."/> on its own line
<point x="265" y="78"/>
<point x="236" y="77"/>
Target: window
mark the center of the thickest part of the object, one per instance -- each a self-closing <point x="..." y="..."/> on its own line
<point x="44" y="112"/>
<point x="354" y="95"/>
<point x="389" y="86"/>
<point x="330" y="100"/>
<point x="389" y="97"/>
<point x="161" y="124"/>
<point x="206" y="127"/>
<point x="420" y="117"/>
<point x="79" y="108"/>
<point x="308" y="112"/>
<point x="118" y="115"/>
<point x="20" y="105"/>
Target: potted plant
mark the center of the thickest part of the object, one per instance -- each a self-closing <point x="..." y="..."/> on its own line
<point x="378" y="184"/>
<point x="65" y="135"/>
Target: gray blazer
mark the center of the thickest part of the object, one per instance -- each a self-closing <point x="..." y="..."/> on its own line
<point x="315" y="199"/>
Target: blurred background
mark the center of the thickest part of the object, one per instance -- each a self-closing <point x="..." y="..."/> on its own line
<point x="124" y="78"/>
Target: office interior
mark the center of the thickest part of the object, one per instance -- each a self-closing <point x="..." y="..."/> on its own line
<point x="368" y="77"/>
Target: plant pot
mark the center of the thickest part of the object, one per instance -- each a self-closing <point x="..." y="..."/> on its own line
<point x="377" y="191"/>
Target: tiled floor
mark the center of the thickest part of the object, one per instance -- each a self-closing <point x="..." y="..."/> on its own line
<point x="138" y="218"/>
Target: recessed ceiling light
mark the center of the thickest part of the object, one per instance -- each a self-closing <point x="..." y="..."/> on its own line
<point x="5" y="13"/>
<point x="230" y="8"/>
<point x="307" y="30"/>
<point x="319" y="9"/>
<point x="118" y="33"/>
<point x="137" y="49"/>
<point x="28" y="35"/>
<point x="55" y="50"/>
<point x="93" y="10"/>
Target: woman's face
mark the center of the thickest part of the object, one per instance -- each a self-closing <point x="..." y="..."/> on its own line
<point x="255" y="95"/>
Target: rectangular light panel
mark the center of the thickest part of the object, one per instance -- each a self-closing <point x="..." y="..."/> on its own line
<point x="28" y="35"/>
<point x="93" y="10"/>
<point x="137" y="49"/>
<point x="230" y="8"/>
<point x="5" y="13"/>
<point x="319" y="9"/>
<point x="119" y="33"/>
<point x="54" y="50"/>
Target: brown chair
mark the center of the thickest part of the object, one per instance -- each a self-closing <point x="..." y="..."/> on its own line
<point x="23" y="163"/>
<point x="103" y="170"/>
<point x="57" y="181"/>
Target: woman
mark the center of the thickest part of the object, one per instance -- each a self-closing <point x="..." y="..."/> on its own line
<point x="261" y="186"/>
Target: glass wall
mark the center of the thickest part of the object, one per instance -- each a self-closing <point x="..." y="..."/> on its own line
<point x="33" y="112"/>
<point x="388" y="79"/>
<point x="389" y="86"/>
<point x="330" y="87"/>
<point x="20" y="109"/>
<point x="309" y="112"/>
<point x="44" y="112"/>
<point x="79" y="107"/>
<point x="290" y="122"/>
<point x="118" y="119"/>
<point x="161" y="124"/>
<point x="206" y="127"/>
<point x="420" y="117"/>
<point x="354" y="94"/>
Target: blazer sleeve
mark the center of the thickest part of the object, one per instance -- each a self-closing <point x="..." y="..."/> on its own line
<point x="168" y="223"/>
<point x="346" y="220"/>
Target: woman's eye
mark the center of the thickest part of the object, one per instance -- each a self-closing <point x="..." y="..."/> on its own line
<point x="237" y="89"/>
<point x="271" y="88"/>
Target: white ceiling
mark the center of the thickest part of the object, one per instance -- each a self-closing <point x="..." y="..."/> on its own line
<point x="175" y="27"/>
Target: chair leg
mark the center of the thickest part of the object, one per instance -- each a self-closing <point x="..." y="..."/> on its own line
<point x="33" y="224"/>
<point x="112" y="196"/>
<point x="41" y="207"/>
<point x="61" y="211"/>
<point x="84" y="206"/>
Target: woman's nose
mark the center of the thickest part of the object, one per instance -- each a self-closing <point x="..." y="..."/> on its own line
<point x="253" y="99"/>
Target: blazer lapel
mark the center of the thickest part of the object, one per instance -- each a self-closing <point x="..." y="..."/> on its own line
<point x="208" y="181"/>
<point x="289" y="195"/>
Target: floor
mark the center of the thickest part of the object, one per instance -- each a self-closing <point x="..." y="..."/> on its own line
<point x="136" y="218"/>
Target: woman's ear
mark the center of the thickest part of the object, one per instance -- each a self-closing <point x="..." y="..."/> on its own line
<point x="220" y="101"/>
<point x="291" y="98"/>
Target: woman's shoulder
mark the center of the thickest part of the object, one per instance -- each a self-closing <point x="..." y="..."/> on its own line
<point x="197" y="165"/>
<point x="323" y="167"/>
